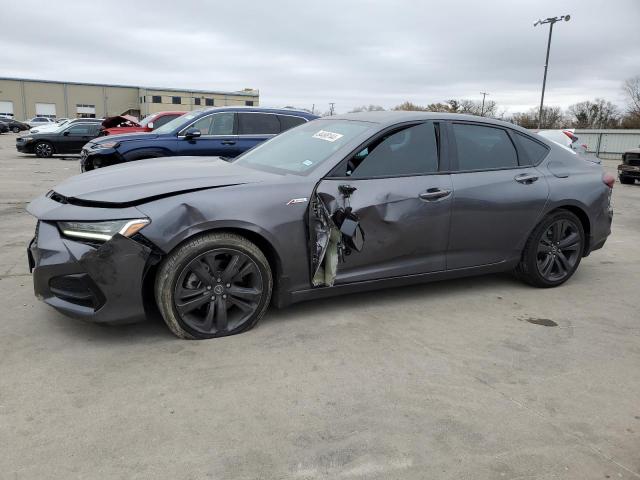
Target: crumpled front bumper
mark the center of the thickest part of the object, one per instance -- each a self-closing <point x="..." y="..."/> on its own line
<point x="100" y="283"/>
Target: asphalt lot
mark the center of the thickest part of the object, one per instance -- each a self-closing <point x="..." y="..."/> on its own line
<point x="441" y="381"/>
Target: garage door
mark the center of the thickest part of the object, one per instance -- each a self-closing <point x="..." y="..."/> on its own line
<point x="6" y="109"/>
<point x="46" y="110"/>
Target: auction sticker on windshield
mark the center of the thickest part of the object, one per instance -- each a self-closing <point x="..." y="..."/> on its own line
<point x="328" y="136"/>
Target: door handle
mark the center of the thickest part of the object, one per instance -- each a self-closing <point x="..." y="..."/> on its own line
<point x="526" y="178"/>
<point x="434" y="194"/>
<point x="228" y="142"/>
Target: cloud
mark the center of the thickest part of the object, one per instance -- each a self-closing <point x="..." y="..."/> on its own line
<point x="350" y="53"/>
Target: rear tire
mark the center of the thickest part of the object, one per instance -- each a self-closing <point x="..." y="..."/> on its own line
<point x="43" y="150"/>
<point x="627" y="180"/>
<point x="213" y="285"/>
<point x="553" y="251"/>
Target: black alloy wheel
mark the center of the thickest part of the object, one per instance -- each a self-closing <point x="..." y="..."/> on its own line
<point x="218" y="291"/>
<point x="559" y="249"/>
<point x="15" y="129"/>
<point x="43" y="150"/>
<point x="213" y="285"/>
<point x="553" y="251"/>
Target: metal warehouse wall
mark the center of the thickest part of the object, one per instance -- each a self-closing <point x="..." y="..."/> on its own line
<point x="609" y="144"/>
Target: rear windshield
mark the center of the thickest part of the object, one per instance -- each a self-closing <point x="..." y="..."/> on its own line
<point x="301" y="149"/>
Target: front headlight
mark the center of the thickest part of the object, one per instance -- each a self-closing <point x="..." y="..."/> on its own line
<point x="102" y="231"/>
<point x="105" y="145"/>
<point x="26" y="139"/>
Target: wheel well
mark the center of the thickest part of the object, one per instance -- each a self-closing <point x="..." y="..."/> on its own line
<point x="584" y="220"/>
<point x="148" y="282"/>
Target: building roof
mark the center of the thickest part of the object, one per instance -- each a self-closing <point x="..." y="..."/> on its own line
<point x="248" y="93"/>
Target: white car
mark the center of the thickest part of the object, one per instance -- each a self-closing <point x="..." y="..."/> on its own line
<point x="568" y="138"/>
<point x="38" y="121"/>
<point x="52" y="127"/>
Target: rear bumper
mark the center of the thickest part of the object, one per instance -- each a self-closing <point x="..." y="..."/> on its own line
<point x="101" y="283"/>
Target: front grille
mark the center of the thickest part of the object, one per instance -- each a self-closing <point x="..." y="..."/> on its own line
<point x="633" y="159"/>
<point x="78" y="289"/>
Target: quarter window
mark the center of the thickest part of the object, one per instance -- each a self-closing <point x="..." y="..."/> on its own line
<point x="531" y="151"/>
<point x="410" y="151"/>
<point x="287" y="122"/>
<point x="258" y="124"/>
<point x="483" y="148"/>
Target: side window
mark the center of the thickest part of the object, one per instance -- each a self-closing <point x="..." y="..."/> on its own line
<point x="411" y="151"/>
<point x="204" y="124"/>
<point x="483" y="148"/>
<point x="287" y="122"/>
<point x="95" y="128"/>
<point x="531" y="151"/>
<point x="79" y="130"/>
<point x="222" y="124"/>
<point x="162" y="120"/>
<point x="258" y="124"/>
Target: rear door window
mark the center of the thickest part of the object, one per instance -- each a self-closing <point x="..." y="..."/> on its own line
<point x="79" y="130"/>
<point x="258" y="124"/>
<point x="288" y="121"/>
<point x="481" y="147"/>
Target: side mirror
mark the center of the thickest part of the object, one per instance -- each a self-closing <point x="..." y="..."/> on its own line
<point x="66" y="134"/>
<point x="192" y="133"/>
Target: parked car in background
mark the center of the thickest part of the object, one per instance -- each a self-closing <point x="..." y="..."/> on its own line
<point x="36" y="121"/>
<point x="4" y="128"/>
<point x="629" y="169"/>
<point x="14" y="125"/>
<point x="341" y="204"/>
<point x="569" y="139"/>
<point x="124" y="124"/>
<point x="67" y="139"/>
<point x="222" y="131"/>
<point x="51" y="127"/>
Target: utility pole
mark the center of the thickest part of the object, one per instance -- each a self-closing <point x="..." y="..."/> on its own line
<point x="551" y="21"/>
<point x="331" y="104"/>
<point x="484" y="94"/>
<point x="313" y="109"/>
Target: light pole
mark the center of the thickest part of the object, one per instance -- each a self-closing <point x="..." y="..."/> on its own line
<point x="484" y="94"/>
<point x="550" y="21"/>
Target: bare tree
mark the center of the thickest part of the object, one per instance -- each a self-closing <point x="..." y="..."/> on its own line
<point x="594" y="114"/>
<point x="408" y="106"/>
<point x="552" y="117"/>
<point x="632" y="90"/>
<point x="367" y="108"/>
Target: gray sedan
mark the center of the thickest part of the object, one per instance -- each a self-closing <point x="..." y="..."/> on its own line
<point x="337" y="205"/>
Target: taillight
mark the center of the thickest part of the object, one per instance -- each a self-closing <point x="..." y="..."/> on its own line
<point x="609" y="180"/>
<point x="570" y="135"/>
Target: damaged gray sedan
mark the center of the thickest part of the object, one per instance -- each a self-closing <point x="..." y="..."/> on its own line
<point x="350" y="203"/>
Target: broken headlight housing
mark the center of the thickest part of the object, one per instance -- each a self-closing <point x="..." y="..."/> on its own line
<point x="105" y="145"/>
<point x="102" y="231"/>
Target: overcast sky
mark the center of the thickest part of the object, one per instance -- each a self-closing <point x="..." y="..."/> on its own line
<point x="348" y="52"/>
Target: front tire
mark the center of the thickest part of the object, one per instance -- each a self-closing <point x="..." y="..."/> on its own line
<point x="15" y="130"/>
<point x="213" y="285"/>
<point x="43" y="150"/>
<point x="553" y="251"/>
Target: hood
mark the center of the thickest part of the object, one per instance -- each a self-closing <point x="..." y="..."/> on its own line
<point x="141" y="181"/>
<point x="120" y="121"/>
<point x="124" y="137"/>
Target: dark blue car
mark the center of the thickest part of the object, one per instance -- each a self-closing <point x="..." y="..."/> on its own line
<point x="223" y="132"/>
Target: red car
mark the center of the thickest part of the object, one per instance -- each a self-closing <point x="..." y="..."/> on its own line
<point x="127" y="124"/>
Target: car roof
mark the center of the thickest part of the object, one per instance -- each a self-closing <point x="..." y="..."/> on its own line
<point x="242" y="108"/>
<point x="391" y="117"/>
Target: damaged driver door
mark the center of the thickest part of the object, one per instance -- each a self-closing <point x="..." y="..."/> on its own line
<point x="384" y="212"/>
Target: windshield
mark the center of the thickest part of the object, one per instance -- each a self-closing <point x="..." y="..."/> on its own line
<point x="178" y="122"/>
<point x="303" y="148"/>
